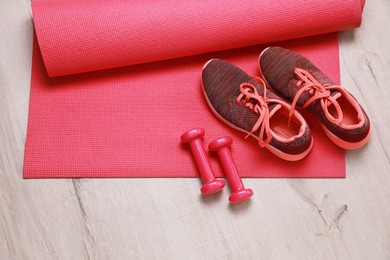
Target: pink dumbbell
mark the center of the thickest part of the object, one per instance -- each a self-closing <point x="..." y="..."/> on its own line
<point x="211" y="184"/>
<point x="222" y="147"/>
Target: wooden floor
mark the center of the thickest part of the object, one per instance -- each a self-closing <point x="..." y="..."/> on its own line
<point x="166" y="218"/>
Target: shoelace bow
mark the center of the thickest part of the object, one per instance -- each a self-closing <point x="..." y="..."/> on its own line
<point x="259" y="104"/>
<point x="319" y="91"/>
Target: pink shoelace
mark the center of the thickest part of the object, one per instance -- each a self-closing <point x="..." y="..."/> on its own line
<point x="319" y="91"/>
<point x="259" y="104"/>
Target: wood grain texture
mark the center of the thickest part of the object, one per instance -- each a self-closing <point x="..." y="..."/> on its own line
<point x="167" y="218"/>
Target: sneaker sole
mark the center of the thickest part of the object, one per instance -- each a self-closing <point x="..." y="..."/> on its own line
<point x="273" y="150"/>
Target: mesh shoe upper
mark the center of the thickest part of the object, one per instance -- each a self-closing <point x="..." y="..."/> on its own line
<point x="221" y="84"/>
<point x="278" y="67"/>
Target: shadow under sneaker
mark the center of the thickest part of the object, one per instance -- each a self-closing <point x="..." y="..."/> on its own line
<point x="300" y="82"/>
<point x="243" y="102"/>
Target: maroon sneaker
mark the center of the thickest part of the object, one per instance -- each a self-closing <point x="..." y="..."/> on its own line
<point x="244" y="103"/>
<point x="299" y="81"/>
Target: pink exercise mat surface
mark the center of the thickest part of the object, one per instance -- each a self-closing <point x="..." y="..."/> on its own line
<point x="115" y="84"/>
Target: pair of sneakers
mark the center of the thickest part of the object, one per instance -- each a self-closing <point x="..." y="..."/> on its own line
<point x="265" y="107"/>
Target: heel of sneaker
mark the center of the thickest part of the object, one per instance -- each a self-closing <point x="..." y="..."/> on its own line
<point x="290" y="157"/>
<point x="344" y="144"/>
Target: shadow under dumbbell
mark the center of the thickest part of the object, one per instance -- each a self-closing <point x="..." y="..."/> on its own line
<point x="240" y="207"/>
<point x="211" y="198"/>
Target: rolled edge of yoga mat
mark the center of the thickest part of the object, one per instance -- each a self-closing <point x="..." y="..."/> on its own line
<point x="83" y="36"/>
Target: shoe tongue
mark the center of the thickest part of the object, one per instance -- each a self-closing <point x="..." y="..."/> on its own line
<point x="273" y="108"/>
<point x="305" y="96"/>
<point x="335" y="95"/>
<point x="292" y="90"/>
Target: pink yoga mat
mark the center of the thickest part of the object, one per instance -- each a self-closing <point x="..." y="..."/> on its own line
<point x="127" y="121"/>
